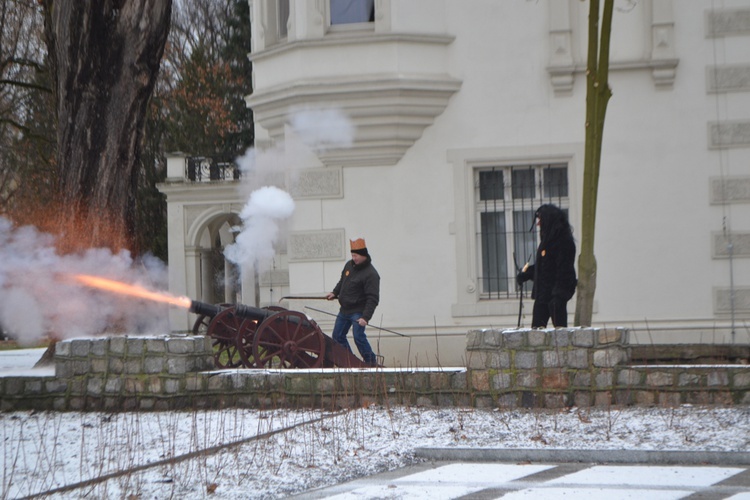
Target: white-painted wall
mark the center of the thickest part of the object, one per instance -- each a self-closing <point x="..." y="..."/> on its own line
<point x="656" y="217"/>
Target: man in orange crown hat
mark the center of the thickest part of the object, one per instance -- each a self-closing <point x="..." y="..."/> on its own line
<point x="358" y="292"/>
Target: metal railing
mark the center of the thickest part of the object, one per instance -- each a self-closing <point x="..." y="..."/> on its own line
<point x="204" y="169"/>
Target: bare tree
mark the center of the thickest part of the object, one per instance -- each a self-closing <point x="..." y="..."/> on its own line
<point x="208" y="77"/>
<point x="24" y="142"/>
<point x="105" y="57"/>
<point x="200" y="23"/>
<point x="597" y="97"/>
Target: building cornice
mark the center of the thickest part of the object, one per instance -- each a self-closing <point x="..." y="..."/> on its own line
<point x="332" y="40"/>
<point x="388" y="111"/>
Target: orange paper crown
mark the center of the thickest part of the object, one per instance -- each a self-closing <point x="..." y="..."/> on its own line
<point x="358" y="244"/>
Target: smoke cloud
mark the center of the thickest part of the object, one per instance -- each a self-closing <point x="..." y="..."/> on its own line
<point x="39" y="299"/>
<point x="322" y="129"/>
<point x="254" y="245"/>
<point x="274" y="168"/>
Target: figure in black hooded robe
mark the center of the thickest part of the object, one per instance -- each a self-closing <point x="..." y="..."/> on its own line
<point x="553" y="271"/>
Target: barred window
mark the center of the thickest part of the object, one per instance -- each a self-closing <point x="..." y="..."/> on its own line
<point x="506" y="199"/>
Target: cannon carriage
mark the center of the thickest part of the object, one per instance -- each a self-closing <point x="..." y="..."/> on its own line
<point x="271" y="337"/>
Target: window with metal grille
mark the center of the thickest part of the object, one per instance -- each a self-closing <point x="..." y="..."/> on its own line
<point x="506" y="199"/>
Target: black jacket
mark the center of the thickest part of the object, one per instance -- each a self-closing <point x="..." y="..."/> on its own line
<point x="358" y="290"/>
<point x="553" y="272"/>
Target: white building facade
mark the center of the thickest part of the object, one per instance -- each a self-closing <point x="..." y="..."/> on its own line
<point x="464" y="116"/>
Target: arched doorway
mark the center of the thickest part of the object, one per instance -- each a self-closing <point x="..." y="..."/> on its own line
<point x="220" y="280"/>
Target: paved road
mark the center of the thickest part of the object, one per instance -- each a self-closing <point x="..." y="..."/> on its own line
<point x="484" y="481"/>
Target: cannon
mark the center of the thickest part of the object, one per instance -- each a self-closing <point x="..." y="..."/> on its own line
<point x="272" y="337"/>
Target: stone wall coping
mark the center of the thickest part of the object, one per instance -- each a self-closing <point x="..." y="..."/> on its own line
<point x="329" y="371"/>
<point x="687" y="367"/>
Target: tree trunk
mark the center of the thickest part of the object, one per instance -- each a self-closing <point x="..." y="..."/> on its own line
<point x="105" y="56"/>
<point x="597" y="97"/>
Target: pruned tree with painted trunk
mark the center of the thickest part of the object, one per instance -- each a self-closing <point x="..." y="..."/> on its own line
<point x="598" y="94"/>
<point x="105" y="57"/>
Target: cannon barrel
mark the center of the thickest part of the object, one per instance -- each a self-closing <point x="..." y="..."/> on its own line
<point x="251" y="312"/>
<point x="204" y="309"/>
<point x="241" y="310"/>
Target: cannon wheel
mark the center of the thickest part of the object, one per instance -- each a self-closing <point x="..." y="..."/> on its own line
<point x="288" y="339"/>
<point x="226" y="332"/>
<point x="248" y="330"/>
<point x="200" y="327"/>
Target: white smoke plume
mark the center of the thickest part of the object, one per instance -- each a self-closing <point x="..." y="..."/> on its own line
<point x="254" y="245"/>
<point x="323" y="128"/>
<point x="39" y="299"/>
<point x="274" y="168"/>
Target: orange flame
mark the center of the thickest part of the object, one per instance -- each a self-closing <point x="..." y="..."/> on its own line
<point x="132" y="290"/>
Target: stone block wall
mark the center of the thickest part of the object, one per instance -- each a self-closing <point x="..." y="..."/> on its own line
<point x="587" y="367"/>
<point x="115" y="356"/>
<point x="682" y="384"/>
<point x="113" y="373"/>
<point x="506" y="369"/>
<point x="330" y="389"/>
<point x="178" y="372"/>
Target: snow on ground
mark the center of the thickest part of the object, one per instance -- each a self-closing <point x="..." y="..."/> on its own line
<point x="20" y="362"/>
<point x="237" y="453"/>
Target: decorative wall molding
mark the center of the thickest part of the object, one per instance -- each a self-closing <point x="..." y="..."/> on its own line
<point x="317" y="245"/>
<point x="389" y="112"/>
<point x="720" y="245"/>
<point x="730" y="190"/>
<point x="723" y="300"/>
<point x="729" y="134"/>
<point x="317" y="183"/>
<point x="729" y="78"/>
<point x="561" y="63"/>
<point x="274" y="277"/>
<point x="192" y="212"/>
<point x="727" y="22"/>
<point x="565" y="63"/>
<point x="663" y="56"/>
<point x="383" y="16"/>
<point x="387" y="106"/>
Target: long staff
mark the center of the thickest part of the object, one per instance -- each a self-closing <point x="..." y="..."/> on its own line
<point x="370" y="325"/>
<point x="301" y="297"/>
<point x="519" y="287"/>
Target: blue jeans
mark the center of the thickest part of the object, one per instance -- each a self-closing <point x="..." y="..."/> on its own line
<point x="341" y="328"/>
